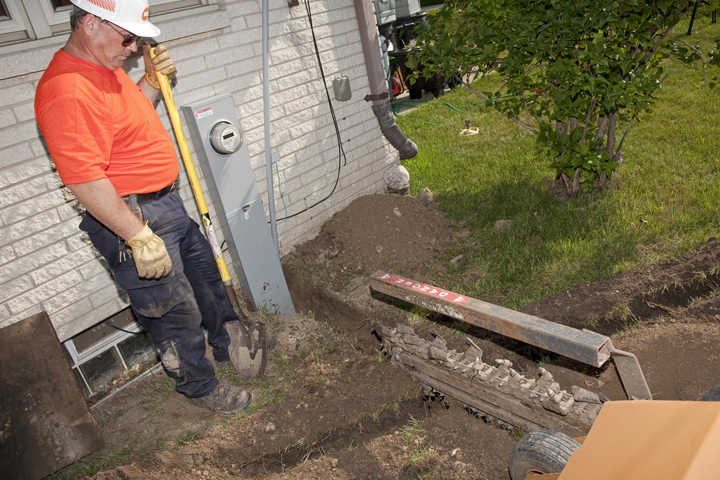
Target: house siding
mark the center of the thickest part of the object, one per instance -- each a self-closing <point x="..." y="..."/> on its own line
<point x="46" y="263"/>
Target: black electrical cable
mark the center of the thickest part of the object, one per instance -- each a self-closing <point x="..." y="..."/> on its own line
<point x="341" y="151"/>
<point x="127" y="331"/>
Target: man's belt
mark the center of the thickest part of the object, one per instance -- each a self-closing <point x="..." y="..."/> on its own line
<point x="134" y="198"/>
<point x="142" y="197"/>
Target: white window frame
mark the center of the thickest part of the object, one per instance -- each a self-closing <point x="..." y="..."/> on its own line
<point x="31" y="56"/>
<point x="40" y="22"/>
<point x="15" y="22"/>
<point x="54" y="17"/>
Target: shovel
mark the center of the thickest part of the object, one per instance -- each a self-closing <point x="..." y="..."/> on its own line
<point x="247" y="339"/>
<point x="247" y="347"/>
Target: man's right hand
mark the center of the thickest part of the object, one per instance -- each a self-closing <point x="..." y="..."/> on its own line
<point x="160" y="63"/>
<point x="151" y="257"/>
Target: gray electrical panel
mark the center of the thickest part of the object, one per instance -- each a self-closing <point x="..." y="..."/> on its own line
<point x="216" y="134"/>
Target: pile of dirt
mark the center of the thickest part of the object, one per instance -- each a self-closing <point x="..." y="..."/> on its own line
<point x="378" y="232"/>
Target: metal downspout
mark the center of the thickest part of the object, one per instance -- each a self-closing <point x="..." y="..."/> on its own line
<point x="266" y="108"/>
<point x="378" y="85"/>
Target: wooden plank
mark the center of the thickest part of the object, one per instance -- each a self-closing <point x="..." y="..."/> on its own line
<point x="44" y="422"/>
<point x="581" y="345"/>
<point x="505" y="407"/>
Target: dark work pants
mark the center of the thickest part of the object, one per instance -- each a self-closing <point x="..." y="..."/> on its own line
<point x="176" y="307"/>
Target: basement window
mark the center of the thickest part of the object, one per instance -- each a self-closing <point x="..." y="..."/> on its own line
<point x="101" y="355"/>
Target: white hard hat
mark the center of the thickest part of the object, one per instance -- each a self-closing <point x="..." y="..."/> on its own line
<point x="132" y="15"/>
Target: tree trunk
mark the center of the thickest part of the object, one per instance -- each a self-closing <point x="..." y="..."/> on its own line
<point x="606" y="128"/>
<point x="572" y="187"/>
<point x="561" y="127"/>
<point x="602" y="125"/>
<point x="566" y="182"/>
<point x="572" y="124"/>
<point x="576" y="182"/>
<point x="610" y="144"/>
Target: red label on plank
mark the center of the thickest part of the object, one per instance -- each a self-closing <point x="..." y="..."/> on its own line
<point x="428" y="289"/>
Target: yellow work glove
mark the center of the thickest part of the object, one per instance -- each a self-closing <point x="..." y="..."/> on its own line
<point x="161" y="62"/>
<point x="151" y="256"/>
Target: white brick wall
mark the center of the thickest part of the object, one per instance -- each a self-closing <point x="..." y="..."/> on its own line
<point x="46" y="263"/>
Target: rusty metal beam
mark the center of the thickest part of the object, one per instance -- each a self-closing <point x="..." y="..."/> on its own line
<point x="581" y="345"/>
<point x="631" y="374"/>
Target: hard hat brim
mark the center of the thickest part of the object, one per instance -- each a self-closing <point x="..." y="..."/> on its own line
<point x="145" y="29"/>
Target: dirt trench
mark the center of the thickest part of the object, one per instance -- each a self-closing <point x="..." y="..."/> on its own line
<point x="331" y="406"/>
<point x="324" y="409"/>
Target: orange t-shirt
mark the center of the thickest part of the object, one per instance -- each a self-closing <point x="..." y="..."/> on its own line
<point x="98" y="124"/>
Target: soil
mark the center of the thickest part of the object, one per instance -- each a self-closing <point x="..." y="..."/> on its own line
<point x="330" y="405"/>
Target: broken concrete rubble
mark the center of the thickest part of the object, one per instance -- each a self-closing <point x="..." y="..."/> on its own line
<point x="496" y="390"/>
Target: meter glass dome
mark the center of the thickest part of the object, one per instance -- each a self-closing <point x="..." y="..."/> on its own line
<point x="225" y="138"/>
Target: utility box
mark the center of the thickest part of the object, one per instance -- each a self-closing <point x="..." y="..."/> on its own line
<point x="384" y="11"/>
<point x="407" y="8"/>
<point x="225" y="162"/>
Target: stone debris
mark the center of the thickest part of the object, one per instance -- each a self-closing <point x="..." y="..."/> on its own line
<point x="579" y="408"/>
<point x="582" y="395"/>
<point x="426" y="196"/>
<point x="460" y="260"/>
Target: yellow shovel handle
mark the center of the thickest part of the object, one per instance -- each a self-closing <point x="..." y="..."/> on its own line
<point x="192" y="174"/>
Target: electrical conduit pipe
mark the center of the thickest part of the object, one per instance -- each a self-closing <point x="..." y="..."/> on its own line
<point x="381" y="106"/>
<point x="266" y="117"/>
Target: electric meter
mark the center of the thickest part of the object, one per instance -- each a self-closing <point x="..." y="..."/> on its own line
<point x="225" y="138"/>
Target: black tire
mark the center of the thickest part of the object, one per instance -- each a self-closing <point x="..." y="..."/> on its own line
<point x="541" y="451"/>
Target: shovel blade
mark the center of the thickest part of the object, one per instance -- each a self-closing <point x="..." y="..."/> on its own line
<point x="248" y="352"/>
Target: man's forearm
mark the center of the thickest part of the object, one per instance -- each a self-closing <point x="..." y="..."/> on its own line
<point x="102" y="200"/>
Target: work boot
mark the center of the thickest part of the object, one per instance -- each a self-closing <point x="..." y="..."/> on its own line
<point x="224" y="398"/>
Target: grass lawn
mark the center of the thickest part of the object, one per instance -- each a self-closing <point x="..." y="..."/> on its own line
<point x="664" y="201"/>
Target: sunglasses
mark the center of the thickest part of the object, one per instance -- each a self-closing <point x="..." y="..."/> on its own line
<point x="127" y="39"/>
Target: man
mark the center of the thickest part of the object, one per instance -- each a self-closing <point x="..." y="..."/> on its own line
<point x="112" y="151"/>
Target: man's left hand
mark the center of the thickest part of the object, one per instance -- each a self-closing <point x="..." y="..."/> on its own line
<point x="150" y="254"/>
<point x="161" y="63"/>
